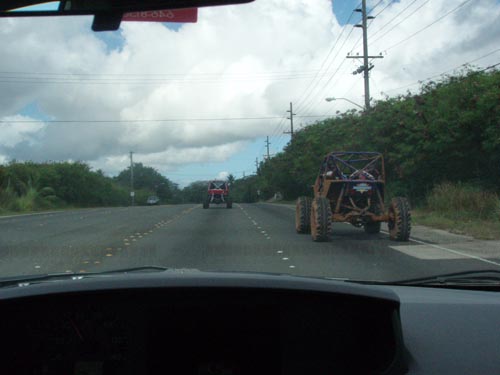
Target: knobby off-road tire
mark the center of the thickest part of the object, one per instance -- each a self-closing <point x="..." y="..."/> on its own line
<point x="229" y="203"/>
<point x="303" y="215"/>
<point x="400" y="219"/>
<point x="321" y="219"/>
<point x="372" y="228"/>
<point x="205" y="204"/>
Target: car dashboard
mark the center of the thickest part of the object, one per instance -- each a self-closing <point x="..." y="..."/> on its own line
<point x="171" y="323"/>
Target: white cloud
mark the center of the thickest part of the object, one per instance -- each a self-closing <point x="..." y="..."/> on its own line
<point x="238" y="61"/>
<point x="222" y="175"/>
<point x="12" y="132"/>
<point x="171" y="158"/>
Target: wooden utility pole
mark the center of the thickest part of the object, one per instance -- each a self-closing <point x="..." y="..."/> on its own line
<point x="366" y="67"/>
<point x="291" y="120"/>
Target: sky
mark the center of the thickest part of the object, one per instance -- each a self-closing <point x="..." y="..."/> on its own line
<point x="197" y="101"/>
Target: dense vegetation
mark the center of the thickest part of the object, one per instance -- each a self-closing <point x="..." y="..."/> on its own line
<point x="447" y="133"/>
<point x="39" y="186"/>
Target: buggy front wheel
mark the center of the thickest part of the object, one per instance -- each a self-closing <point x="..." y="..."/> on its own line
<point x="321" y="219"/>
<point x="399" y="219"/>
<point x="229" y="203"/>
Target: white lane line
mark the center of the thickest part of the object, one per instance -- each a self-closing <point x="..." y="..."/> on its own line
<point x="456" y="252"/>
<point x="425" y="252"/>
<point x="285" y="258"/>
<point x="280" y="252"/>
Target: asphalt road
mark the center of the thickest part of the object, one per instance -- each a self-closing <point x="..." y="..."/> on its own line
<point x="249" y="237"/>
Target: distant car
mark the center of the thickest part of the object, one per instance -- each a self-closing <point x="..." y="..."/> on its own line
<point x="152" y="200"/>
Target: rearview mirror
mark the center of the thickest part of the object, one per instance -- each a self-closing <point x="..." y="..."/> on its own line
<point x="108" y="13"/>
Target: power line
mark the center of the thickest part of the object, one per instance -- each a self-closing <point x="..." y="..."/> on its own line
<point x="150" y="120"/>
<point x="310" y="88"/>
<point x="400" y="22"/>
<point x="392" y="19"/>
<point x="371" y="21"/>
<point x="450" y="70"/>
<point x="429" y="25"/>
<point x="310" y="106"/>
<point x="383" y="9"/>
<point x="376" y="5"/>
<point x="309" y="103"/>
<point x="140" y="82"/>
<point x="307" y="71"/>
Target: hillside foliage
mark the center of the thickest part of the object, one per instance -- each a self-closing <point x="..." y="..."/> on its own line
<point x="449" y="132"/>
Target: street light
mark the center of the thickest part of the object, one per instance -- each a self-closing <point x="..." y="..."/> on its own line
<point x="348" y="100"/>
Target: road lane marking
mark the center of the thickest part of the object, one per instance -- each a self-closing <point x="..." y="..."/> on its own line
<point x="456" y="252"/>
<point x="425" y="252"/>
<point x="451" y="251"/>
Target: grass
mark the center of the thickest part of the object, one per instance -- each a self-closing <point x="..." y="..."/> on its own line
<point x="12" y="203"/>
<point x="477" y="228"/>
<point x="461" y="209"/>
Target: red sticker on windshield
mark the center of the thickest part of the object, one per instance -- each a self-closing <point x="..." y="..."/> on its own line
<point x="169" y="15"/>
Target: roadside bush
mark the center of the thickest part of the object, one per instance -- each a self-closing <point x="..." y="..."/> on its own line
<point x="6" y="197"/>
<point x="27" y="202"/>
<point x="47" y="191"/>
<point x="458" y="201"/>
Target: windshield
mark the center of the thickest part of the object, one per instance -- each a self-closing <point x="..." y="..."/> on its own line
<point x="352" y="139"/>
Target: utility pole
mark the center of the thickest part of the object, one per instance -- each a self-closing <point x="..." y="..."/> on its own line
<point x="291" y="120"/>
<point x="267" y="146"/>
<point x="366" y="67"/>
<point x="132" y="192"/>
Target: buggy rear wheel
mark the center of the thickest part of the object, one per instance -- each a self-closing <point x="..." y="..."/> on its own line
<point x="399" y="219"/>
<point x="303" y="215"/>
<point x="321" y="219"/>
<point x="205" y="204"/>
<point x="372" y="228"/>
<point x="229" y="203"/>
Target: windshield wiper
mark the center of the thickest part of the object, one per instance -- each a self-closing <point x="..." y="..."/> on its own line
<point x="30" y="279"/>
<point x="478" y="279"/>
